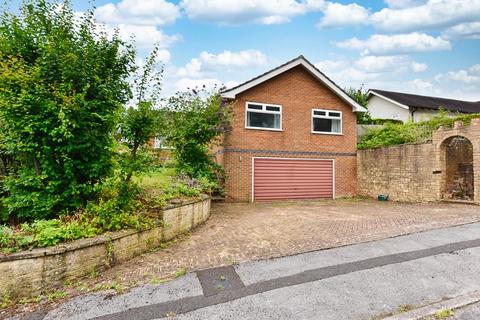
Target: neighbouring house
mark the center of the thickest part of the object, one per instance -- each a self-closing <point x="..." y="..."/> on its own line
<point x="161" y="149"/>
<point x="404" y="106"/>
<point x="293" y="137"/>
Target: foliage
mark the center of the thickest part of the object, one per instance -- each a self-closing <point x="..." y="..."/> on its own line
<point x="120" y="205"/>
<point x="62" y="85"/>
<point x="115" y="210"/>
<point x="141" y="122"/>
<point x="443" y="314"/>
<point x="393" y="134"/>
<point x="384" y="121"/>
<point x="360" y="96"/>
<point x="194" y="126"/>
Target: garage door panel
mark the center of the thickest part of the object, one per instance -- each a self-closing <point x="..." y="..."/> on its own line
<point x="276" y="179"/>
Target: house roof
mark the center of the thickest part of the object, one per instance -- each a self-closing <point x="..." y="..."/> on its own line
<point x="299" y="61"/>
<point x="407" y="100"/>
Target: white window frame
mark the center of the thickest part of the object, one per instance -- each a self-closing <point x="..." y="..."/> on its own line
<point x="327" y="116"/>
<point x="264" y="110"/>
<point x="161" y="147"/>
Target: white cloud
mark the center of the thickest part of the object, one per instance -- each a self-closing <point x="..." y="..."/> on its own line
<point x="392" y="64"/>
<point x="404" y="3"/>
<point x="419" y="67"/>
<point x="462" y="76"/>
<point x="463" y="84"/>
<point x="460" y="84"/>
<point x="139" y="12"/>
<point x="468" y="30"/>
<point x="432" y="14"/>
<point x="475" y="69"/>
<point x="225" y="61"/>
<point x="212" y="71"/>
<point x="420" y="86"/>
<point x="381" y="63"/>
<point x="145" y="36"/>
<point x="339" y="15"/>
<point x="141" y="19"/>
<point x="252" y="11"/>
<point x="238" y="59"/>
<point x="400" y="43"/>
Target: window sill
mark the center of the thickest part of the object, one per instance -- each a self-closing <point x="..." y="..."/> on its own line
<point x="264" y="129"/>
<point x="328" y="133"/>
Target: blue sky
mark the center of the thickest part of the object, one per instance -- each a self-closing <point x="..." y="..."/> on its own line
<point x="420" y="46"/>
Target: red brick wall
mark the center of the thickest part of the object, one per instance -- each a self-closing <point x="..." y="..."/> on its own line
<point x="298" y="92"/>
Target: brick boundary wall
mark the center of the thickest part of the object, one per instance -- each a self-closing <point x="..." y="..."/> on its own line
<point x="42" y="270"/>
<point x="415" y="172"/>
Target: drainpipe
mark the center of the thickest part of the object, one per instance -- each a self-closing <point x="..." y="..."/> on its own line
<point x="413" y="116"/>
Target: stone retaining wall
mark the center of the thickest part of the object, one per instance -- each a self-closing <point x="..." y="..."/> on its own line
<point x="42" y="270"/>
<point x="417" y="172"/>
<point x="403" y="172"/>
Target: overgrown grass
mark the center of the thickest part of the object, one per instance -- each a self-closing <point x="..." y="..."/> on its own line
<point x="419" y="132"/>
<point x="159" y="178"/>
<point x="164" y="185"/>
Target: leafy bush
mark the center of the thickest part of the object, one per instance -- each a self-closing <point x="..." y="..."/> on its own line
<point x="393" y="134"/>
<point x="195" y="125"/>
<point x="62" y="85"/>
<point x="360" y="96"/>
<point x="119" y="207"/>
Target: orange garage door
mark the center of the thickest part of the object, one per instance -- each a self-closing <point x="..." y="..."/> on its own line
<point x="292" y="179"/>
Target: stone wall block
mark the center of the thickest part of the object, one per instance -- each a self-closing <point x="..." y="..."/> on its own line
<point x="42" y="270"/>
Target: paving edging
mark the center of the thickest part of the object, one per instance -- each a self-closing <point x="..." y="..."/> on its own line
<point x="431" y="309"/>
<point x="40" y="270"/>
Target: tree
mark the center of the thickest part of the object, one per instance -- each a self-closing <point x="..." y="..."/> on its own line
<point x="196" y="122"/>
<point x="63" y="83"/>
<point x="140" y="123"/>
<point x="360" y="95"/>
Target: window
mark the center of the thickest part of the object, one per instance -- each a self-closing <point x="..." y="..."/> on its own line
<point x="159" y="143"/>
<point x="325" y="121"/>
<point x="263" y="116"/>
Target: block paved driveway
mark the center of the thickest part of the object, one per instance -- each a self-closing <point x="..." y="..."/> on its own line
<point x="238" y="232"/>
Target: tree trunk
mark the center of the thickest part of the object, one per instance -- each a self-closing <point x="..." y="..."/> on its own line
<point x="133" y="157"/>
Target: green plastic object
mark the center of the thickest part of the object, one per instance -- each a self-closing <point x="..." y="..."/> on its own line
<point x="382" y="197"/>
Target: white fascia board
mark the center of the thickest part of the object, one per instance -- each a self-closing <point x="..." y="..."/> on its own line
<point x="388" y="99"/>
<point x="231" y="94"/>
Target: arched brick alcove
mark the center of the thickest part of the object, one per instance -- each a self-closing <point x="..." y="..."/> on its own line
<point x="457" y="153"/>
<point x="458" y="180"/>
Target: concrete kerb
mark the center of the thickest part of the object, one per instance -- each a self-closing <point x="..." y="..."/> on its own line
<point x="430" y="310"/>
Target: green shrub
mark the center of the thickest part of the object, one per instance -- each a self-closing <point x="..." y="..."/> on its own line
<point x="118" y="207"/>
<point x="195" y="124"/>
<point x="62" y="87"/>
<point x="419" y="132"/>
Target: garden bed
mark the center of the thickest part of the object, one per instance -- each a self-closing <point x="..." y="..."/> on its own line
<point x="40" y="270"/>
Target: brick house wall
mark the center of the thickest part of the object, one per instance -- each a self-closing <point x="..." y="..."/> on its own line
<point x="298" y="92"/>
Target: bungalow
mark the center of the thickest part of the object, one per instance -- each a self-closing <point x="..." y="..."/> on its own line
<point x="384" y="104"/>
<point x="293" y="137"/>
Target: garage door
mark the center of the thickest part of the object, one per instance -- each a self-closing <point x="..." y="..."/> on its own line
<point x="292" y="179"/>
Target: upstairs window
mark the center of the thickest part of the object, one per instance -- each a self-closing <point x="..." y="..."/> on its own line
<point x="326" y="121"/>
<point x="263" y="116"/>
